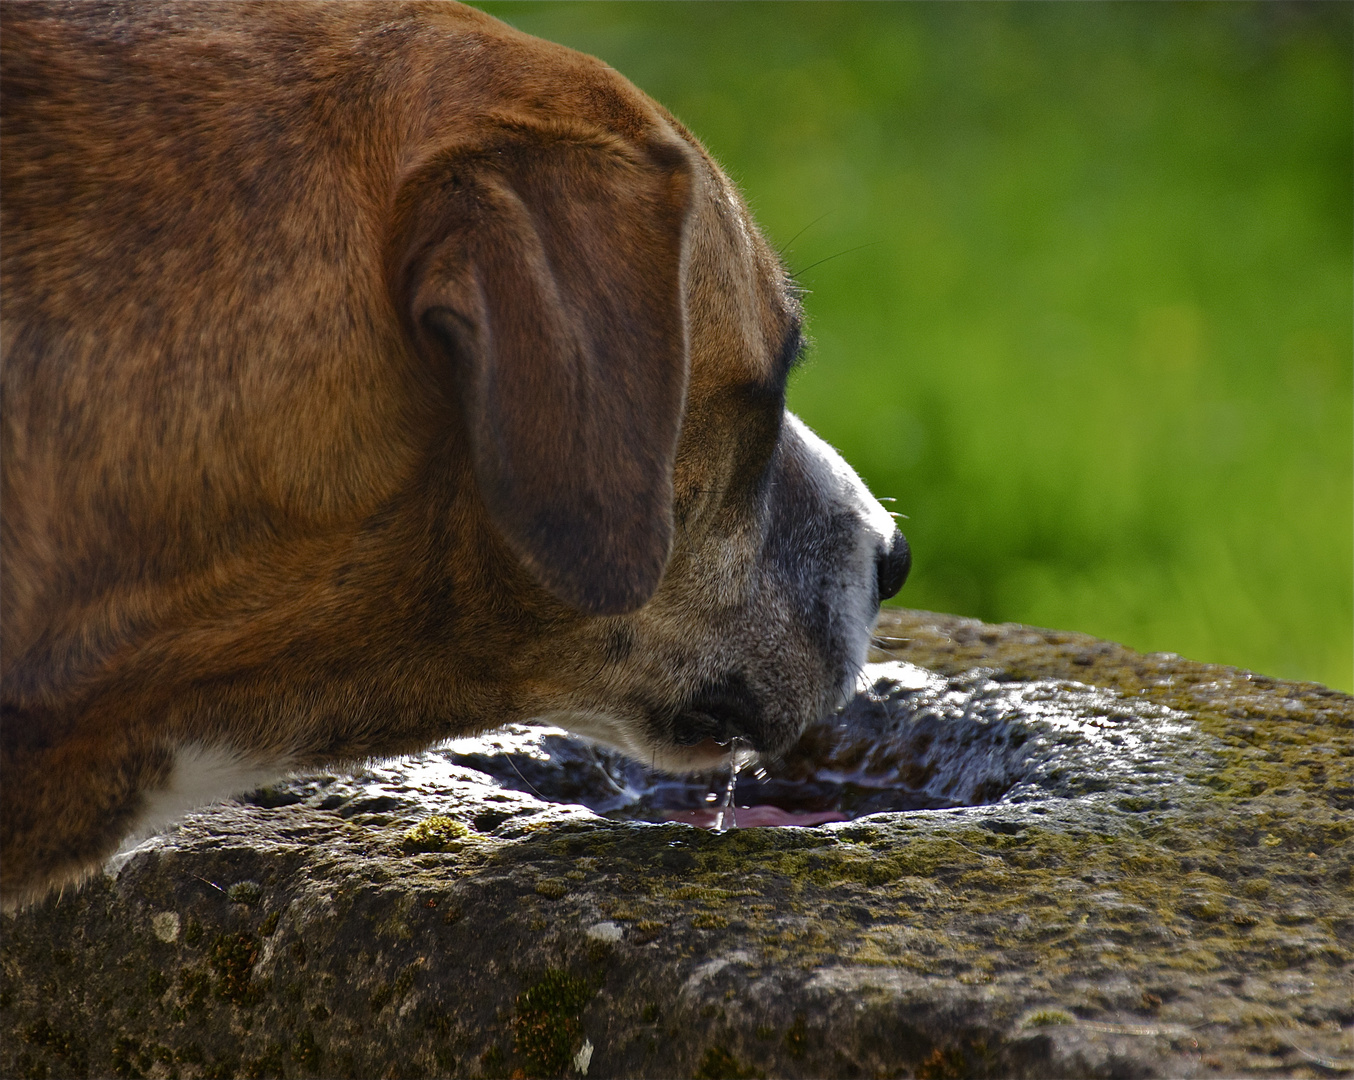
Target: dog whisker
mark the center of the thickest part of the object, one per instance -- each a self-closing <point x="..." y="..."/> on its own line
<point x="881" y="642"/>
<point x="784" y="249"/>
<point x="848" y="251"/>
<point x="508" y="758"/>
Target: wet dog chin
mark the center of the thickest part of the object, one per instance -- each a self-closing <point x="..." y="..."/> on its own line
<point x="706" y="754"/>
<point x="700" y="757"/>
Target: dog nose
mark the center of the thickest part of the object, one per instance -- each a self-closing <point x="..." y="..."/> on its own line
<point x="892" y="565"/>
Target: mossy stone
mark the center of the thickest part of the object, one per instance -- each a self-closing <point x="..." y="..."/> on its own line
<point x="1194" y="913"/>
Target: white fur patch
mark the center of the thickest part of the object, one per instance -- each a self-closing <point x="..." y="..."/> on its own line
<point x="843" y="486"/>
<point x="202" y="775"/>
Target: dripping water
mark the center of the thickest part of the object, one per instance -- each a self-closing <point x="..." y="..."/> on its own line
<point x="743" y="754"/>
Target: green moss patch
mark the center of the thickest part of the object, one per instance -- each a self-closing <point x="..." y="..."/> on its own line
<point x="436" y="833"/>
<point x="232" y="958"/>
<point x="547" y="1026"/>
<point x="719" y="1064"/>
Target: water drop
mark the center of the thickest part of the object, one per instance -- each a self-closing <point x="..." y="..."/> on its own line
<point x="743" y="754"/>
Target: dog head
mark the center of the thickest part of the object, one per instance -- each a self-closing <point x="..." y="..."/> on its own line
<point x="620" y="335"/>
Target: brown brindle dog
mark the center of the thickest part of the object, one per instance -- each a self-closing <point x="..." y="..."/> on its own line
<point x="374" y="375"/>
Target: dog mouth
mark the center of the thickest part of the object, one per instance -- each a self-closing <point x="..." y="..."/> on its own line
<point x="723" y="712"/>
<point x="702" y="728"/>
<point x="726" y="721"/>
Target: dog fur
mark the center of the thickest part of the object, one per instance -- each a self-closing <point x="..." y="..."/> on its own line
<point x="375" y="374"/>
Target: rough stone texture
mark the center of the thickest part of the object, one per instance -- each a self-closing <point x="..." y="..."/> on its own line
<point x="1185" y="908"/>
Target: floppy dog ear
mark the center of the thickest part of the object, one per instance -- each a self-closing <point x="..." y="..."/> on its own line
<point x="553" y="288"/>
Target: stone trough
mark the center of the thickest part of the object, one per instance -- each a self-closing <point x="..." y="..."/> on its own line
<point x="1016" y="852"/>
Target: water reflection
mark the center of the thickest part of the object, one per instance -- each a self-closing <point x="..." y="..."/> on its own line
<point x="909" y="740"/>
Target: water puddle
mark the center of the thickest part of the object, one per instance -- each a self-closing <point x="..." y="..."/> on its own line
<point x="909" y="740"/>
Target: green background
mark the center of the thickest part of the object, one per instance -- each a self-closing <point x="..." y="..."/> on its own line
<point x="1099" y="345"/>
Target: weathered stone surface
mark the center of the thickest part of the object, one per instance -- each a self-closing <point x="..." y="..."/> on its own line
<point x="1164" y="886"/>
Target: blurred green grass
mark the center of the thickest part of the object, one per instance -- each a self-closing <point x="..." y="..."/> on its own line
<point x="1099" y="345"/>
